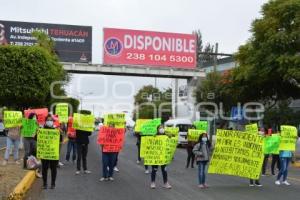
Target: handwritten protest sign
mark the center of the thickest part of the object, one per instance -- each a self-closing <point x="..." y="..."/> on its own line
<point x="271" y="144"/>
<point x="158" y="150"/>
<point x="237" y="153"/>
<point x="117" y="119"/>
<point x="252" y="128"/>
<point x="12" y="119"/>
<point x="150" y="127"/>
<point x="193" y="135"/>
<point x="40" y="112"/>
<point x="112" y="139"/>
<point x="62" y="110"/>
<point x="29" y="127"/>
<point x="288" y="138"/>
<point x="48" y="144"/>
<point x="201" y="125"/>
<point x="172" y="131"/>
<point x="71" y="131"/>
<point x="83" y="122"/>
<point x="138" y="124"/>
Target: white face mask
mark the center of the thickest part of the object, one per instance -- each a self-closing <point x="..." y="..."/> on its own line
<point x="49" y="123"/>
<point x="161" y="131"/>
<point x="204" y="139"/>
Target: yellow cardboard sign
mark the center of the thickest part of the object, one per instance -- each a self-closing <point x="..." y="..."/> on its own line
<point x="12" y="119"/>
<point x="48" y="144"/>
<point x="288" y="138"/>
<point x="117" y="119"/>
<point x="172" y="131"/>
<point x="237" y="153"/>
<point x="62" y="110"/>
<point x="193" y="134"/>
<point x="83" y="122"/>
<point x="153" y="150"/>
<point x="138" y="124"/>
<point x="252" y="128"/>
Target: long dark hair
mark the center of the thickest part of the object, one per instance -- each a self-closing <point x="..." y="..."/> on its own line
<point x="32" y="115"/>
<point x="200" y="139"/>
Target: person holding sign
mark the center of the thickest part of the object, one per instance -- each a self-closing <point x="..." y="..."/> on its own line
<point x="202" y="151"/>
<point x="189" y="149"/>
<point x="53" y="162"/>
<point x="71" y="132"/>
<point x="160" y="132"/>
<point x="28" y="131"/>
<point x="287" y="146"/>
<point x="12" y="139"/>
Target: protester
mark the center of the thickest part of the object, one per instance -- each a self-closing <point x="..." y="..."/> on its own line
<point x="285" y="159"/>
<point x="202" y="153"/>
<point x="82" y="142"/>
<point x="190" y="154"/>
<point x="138" y="144"/>
<point x="29" y="143"/>
<point x="108" y="162"/>
<point x="49" y="124"/>
<point x="71" y="146"/>
<point x="160" y="131"/>
<point x="12" y="139"/>
<point x="62" y="132"/>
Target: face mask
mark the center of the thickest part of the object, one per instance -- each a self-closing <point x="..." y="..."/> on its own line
<point x="49" y="123"/>
<point x="161" y="131"/>
<point x="204" y="139"/>
<point x="34" y="118"/>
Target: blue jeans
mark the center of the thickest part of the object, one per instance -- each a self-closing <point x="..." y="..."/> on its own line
<point x="284" y="165"/>
<point x="71" y="146"/>
<point x="9" y="143"/>
<point x="108" y="164"/>
<point x="201" y="171"/>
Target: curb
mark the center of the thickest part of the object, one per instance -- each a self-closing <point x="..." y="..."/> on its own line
<point x="25" y="184"/>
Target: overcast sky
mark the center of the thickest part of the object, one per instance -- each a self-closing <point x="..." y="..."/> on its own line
<point x="224" y="21"/>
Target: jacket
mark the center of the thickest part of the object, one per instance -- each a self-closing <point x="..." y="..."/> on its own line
<point x="201" y="151"/>
<point x="82" y="137"/>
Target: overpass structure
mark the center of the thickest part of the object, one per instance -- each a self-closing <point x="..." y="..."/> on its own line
<point x="191" y="75"/>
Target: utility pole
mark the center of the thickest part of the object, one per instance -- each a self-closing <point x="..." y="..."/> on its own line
<point x="216" y="58"/>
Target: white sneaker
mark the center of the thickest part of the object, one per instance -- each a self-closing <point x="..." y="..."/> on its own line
<point x="17" y="162"/>
<point x="152" y="186"/>
<point x="77" y="172"/>
<point x="116" y="169"/>
<point x="138" y="162"/>
<point x="103" y="179"/>
<point x="111" y="179"/>
<point x="87" y="172"/>
<point x="167" y="186"/>
<point x="4" y="162"/>
<point x="277" y="182"/>
<point x="147" y="172"/>
<point x="286" y="183"/>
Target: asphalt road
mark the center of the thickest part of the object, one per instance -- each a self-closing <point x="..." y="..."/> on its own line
<point x="132" y="184"/>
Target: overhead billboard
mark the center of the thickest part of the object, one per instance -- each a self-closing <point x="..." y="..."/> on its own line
<point x="72" y="43"/>
<point x="135" y="47"/>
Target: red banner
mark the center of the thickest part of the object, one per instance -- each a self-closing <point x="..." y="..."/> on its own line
<point x="134" y="47"/>
<point x="112" y="139"/>
<point x="40" y="112"/>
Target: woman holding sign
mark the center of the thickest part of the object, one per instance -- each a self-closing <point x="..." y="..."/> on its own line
<point x="160" y="131"/>
<point x="201" y="151"/>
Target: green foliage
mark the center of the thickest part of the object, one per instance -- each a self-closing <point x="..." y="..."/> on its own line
<point x="148" y="101"/>
<point x="203" y="50"/>
<point x="269" y="63"/>
<point x="26" y="76"/>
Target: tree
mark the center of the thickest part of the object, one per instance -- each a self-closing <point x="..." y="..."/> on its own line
<point x="269" y="62"/>
<point x="150" y="101"/>
<point x="203" y="52"/>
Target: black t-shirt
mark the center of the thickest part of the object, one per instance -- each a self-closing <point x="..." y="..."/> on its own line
<point x="82" y="137"/>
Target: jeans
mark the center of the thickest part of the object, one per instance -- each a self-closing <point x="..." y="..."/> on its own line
<point x="191" y="157"/>
<point x="82" y="150"/>
<point x="201" y="171"/>
<point x="275" y="159"/>
<point x="9" y="143"/>
<point x="284" y="165"/>
<point x="53" y="166"/>
<point x="71" y="146"/>
<point x="163" y="171"/>
<point x="108" y="164"/>
<point x="29" y="148"/>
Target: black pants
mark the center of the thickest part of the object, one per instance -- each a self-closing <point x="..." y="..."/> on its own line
<point x="116" y="161"/>
<point x="53" y="167"/>
<point x="82" y="150"/>
<point x="265" y="163"/>
<point x="163" y="170"/>
<point x="190" y="157"/>
<point x="275" y="159"/>
<point x="138" y="144"/>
